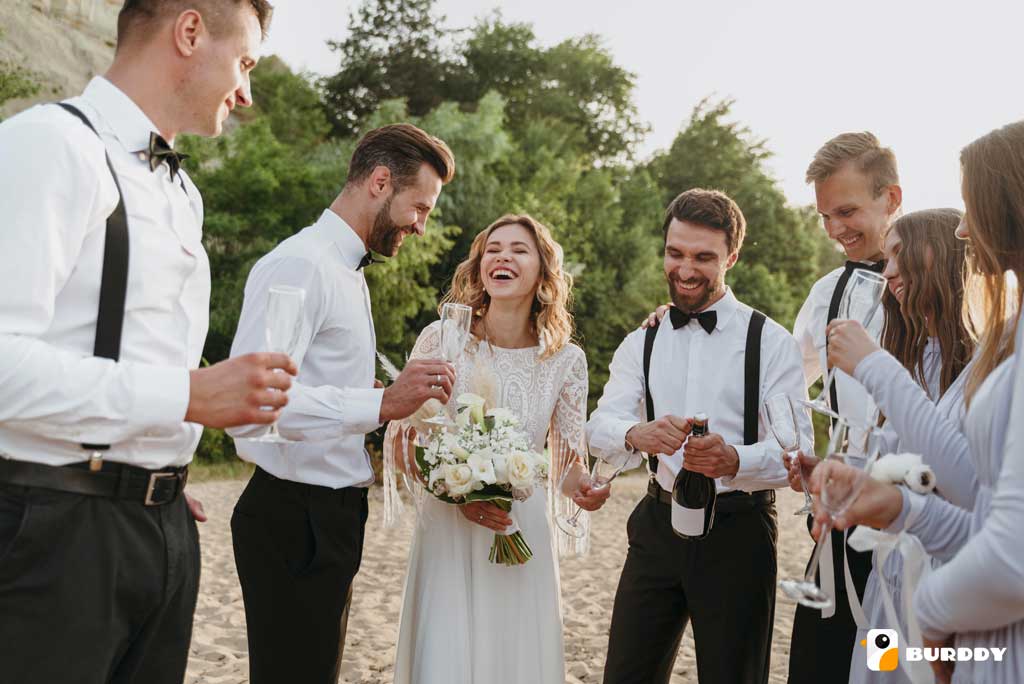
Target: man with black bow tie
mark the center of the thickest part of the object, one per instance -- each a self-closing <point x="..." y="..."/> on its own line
<point x="858" y="195"/>
<point x="722" y="358"/>
<point x="102" y="325"/>
<point x="298" y="526"/>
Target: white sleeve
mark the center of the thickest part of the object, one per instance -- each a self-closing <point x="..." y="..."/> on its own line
<point x="50" y="191"/>
<point x="807" y="320"/>
<point x="761" y="465"/>
<point x="312" y="413"/>
<point x="982" y="587"/>
<point x="622" y="403"/>
<point x="921" y="426"/>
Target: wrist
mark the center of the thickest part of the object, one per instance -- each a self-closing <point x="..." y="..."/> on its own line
<point x="734" y="466"/>
<point x="630" y="447"/>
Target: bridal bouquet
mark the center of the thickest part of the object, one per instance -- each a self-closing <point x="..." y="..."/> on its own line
<point x="485" y="456"/>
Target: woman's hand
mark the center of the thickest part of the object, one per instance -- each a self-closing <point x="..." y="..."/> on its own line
<point x="848" y="344"/>
<point x="943" y="669"/>
<point x="795" y="475"/>
<point x="877" y="505"/>
<point x="486" y="514"/>
<point x="655" y="317"/>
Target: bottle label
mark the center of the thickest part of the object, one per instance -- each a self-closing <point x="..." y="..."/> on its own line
<point x="688" y="521"/>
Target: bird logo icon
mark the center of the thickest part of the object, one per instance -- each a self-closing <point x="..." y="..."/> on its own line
<point x="883" y="651"/>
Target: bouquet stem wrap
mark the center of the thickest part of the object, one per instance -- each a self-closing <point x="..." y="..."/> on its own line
<point x="509" y="549"/>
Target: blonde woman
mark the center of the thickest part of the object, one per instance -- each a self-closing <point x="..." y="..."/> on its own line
<point x="465" y="619"/>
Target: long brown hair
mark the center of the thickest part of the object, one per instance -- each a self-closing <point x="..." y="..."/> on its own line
<point x="993" y="188"/>
<point x="932" y="268"/>
<point x="550" y="318"/>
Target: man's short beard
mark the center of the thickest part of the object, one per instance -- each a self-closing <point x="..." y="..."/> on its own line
<point x="385" y="232"/>
<point x="712" y="291"/>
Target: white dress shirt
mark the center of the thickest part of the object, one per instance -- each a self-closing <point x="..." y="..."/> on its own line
<point x="57" y="192"/>
<point x="693" y="372"/>
<point x="855" y="403"/>
<point x="333" y="403"/>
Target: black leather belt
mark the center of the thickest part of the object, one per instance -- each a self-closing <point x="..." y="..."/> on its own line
<point x="115" y="480"/>
<point x="726" y="502"/>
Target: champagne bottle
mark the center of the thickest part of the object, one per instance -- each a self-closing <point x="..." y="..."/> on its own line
<point x="694" y="495"/>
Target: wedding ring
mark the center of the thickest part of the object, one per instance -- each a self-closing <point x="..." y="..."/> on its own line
<point x="438" y="379"/>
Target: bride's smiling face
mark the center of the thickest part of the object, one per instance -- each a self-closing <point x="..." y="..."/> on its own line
<point x="510" y="266"/>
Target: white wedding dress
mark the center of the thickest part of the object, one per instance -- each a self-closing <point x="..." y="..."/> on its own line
<point x="466" y="620"/>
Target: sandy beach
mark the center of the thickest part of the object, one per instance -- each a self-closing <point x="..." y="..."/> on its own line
<point x="218" y="652"/>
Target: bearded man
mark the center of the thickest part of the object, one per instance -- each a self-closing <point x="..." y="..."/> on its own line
<point x="298" y="526"/>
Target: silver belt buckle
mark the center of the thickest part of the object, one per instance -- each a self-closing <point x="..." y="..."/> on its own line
<point x="153" y="477"/>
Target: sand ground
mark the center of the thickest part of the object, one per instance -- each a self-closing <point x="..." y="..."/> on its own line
<point x="218" y="652"/>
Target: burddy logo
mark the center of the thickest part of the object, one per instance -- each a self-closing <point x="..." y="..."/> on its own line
<point x="883" y="653"/>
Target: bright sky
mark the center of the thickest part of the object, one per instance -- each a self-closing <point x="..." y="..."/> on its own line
<point x="926" y="77"/>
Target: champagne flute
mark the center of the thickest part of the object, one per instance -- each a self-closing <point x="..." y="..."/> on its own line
<point x="456" y="323"/>
<point x="844" y="476"/>
<point x="781" y="416"/>
<point x="860" y="302"/>
<point x="602" y="472"/>
<point x="283" y="331"/>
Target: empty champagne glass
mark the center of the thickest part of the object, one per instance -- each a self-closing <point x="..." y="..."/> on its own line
<point x="602" y="472"/>
<point x="860" y="302"/>
<point x="456" y="324"/>
<point x="843" y="477"/>
<point x="284" y="331"/>
<point x="781" y="415"/>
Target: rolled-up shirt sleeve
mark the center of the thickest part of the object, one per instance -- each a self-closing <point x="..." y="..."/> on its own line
<point x="59" y="191"/>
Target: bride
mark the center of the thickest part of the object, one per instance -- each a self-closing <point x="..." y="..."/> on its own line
<point x="465" y="619"/>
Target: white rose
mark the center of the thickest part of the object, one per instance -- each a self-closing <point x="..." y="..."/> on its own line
<point x="521" y="470"/>
<point x="483" y="468"/>
<point x="459" y="479"/>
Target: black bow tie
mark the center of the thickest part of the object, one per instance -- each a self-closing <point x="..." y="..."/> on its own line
<point x="877" y="267"/>
<point x="160" y="151"/>
<point x="367" y="260"/>
<point x="707" y="319"/>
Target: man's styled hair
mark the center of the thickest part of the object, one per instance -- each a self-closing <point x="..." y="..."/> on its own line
<point x="711" y="209"/>
<point x="403" y="149"/>
<point x="864" y="150"/>
<point x="138" y="15"/>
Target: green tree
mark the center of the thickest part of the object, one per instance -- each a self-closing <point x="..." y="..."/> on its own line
<point x="393" y="50"/>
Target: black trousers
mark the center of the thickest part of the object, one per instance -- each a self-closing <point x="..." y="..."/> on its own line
<point x="94" y="589"/>
<point x="725" y="584"/>
<point x="297" y="549"/>
<point x="820" y="648"/>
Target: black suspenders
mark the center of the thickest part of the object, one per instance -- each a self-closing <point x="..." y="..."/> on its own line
<point x="751" y="379"/>
<point x="113" y="283"/>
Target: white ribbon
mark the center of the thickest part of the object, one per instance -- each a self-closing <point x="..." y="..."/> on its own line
<point x="916" y="565"/>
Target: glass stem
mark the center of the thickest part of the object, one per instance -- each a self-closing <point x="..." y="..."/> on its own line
<point x="812" y="567"/>
<point x="823" y="397"/>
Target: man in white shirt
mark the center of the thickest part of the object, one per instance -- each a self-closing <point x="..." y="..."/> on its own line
<point x="101" y="400"/>
<point x="699" y="363"/>
<point x="298" y="527"/>
<point x="856" y="185"/>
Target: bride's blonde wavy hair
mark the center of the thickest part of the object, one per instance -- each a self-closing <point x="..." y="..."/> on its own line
<point x="550" y="319"/>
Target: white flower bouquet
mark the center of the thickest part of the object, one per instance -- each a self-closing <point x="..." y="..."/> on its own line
<point x="485" y="456"/>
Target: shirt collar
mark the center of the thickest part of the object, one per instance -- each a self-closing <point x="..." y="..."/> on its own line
<point x="725" y="308"/>
<point x="343" y="236"/>
<point x="126" y="120"/>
